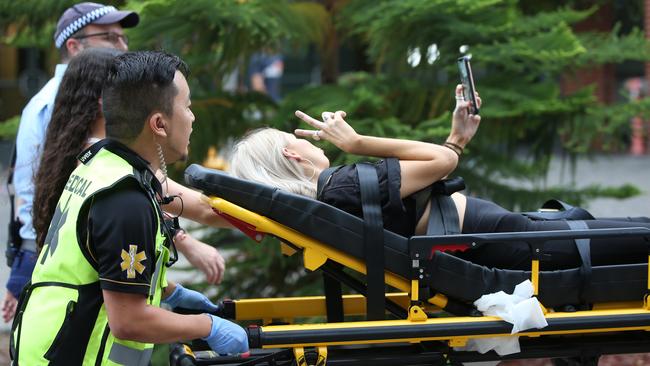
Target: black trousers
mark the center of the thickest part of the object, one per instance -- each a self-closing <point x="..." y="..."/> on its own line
<point x="487" y="217"/>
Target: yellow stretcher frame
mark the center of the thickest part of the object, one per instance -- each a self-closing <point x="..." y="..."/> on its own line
<point x="315" y="254"/>
<point x="307" y="306"/>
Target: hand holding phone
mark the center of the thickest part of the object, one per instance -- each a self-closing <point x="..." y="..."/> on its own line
<point x="467" y="79"/>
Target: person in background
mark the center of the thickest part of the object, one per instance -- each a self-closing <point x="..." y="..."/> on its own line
<point x="265" y="71"/>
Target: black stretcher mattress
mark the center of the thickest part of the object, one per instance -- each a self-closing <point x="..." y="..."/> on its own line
<point x="445" y="273"/>
<point x="318" y="220"/>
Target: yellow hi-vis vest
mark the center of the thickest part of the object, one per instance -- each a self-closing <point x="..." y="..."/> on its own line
<point x="62" y="318"/>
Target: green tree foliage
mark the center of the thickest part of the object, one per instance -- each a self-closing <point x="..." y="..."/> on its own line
<point x="31" y="23"/>
<point x="521" y="51"/>
<point x="216" y="37"/>
<point x="519" y="59"/>
<point x="9" y="128"/>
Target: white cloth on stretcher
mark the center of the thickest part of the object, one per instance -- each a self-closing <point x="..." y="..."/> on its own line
<point x="520" y="309"/>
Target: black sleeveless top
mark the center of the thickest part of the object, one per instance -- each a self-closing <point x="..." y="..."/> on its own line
<point x="341" y="190"/>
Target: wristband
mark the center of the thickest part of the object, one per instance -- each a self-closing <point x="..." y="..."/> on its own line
<point x="453" y="147"/>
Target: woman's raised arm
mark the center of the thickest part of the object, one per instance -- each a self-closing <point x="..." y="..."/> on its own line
<point x="421" y="163"/>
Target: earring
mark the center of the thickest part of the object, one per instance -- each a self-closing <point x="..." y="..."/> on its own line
<point x="313" y="168"/>
<point x="161" y="158"/>
<point x="163" y="166"/>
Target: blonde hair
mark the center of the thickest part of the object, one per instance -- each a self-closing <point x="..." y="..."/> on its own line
<point x="258" y="157"/>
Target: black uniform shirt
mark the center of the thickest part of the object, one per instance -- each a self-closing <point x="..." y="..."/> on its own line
<point x="342" y="191"/>
<point x="121" y="231"/>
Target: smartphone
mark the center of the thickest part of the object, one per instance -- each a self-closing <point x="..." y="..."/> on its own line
<point x="467" y="80"/>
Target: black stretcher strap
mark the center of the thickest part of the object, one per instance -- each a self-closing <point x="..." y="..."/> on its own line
<point x="571" y="212"/>
<point x="584" y="250"/>
<point x="395" y="206"/>
<point x="335" y="271"/>
<point x="333" y="297"/>
<point x="443" y="216"/>
<point x="373" y="240"/>
<point x="333" y="291"/>
<point x="559" y="211"/>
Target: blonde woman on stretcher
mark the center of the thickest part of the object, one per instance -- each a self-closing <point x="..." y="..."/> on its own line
<point x="293" y="164"/>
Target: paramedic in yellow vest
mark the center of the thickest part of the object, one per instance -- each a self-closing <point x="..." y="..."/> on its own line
<point x="97" y="286"/>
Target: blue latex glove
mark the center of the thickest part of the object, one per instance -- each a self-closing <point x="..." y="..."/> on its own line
<point x="189" y="299"/>
<point x="227" y="337"/>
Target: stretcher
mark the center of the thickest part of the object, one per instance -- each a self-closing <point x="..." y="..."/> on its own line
<point x="427" y="312"/>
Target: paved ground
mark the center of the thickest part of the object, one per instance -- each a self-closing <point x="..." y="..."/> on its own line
<point x="605" y="170"/>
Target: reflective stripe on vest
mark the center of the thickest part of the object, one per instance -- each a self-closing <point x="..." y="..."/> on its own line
<point x="156" y="274"/>
<point x="127" y="356"/>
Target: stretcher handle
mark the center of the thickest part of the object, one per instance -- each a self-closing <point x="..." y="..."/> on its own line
<point x="178" y="356"/>
<point x="220" y="312"/>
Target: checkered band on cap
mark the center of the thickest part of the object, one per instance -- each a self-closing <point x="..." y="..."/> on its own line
<point x="83" y="21"/>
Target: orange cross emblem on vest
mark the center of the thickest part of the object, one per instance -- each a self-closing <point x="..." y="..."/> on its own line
<point x="131" y="261"/>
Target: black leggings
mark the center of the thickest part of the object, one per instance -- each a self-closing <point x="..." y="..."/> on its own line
<point x="487" y="217"/>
